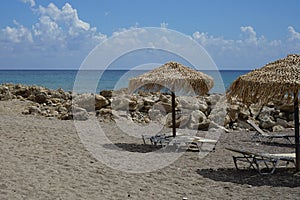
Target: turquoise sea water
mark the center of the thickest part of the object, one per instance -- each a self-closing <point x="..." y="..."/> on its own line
<point x="95" y="81"/>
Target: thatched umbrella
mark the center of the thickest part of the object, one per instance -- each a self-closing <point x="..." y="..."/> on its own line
<point x="176" y="78"/>
<point x="275" y="82"/>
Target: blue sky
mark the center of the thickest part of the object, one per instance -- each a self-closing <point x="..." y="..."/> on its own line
<point x="58" y="34"/>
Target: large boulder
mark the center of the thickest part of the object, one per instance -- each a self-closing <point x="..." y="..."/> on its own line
<point x="265" y="117"/>
<point x="180" y="122"/>
<point x="233" y="112"/>
<point x="124" y="102"/>
<point x="198" y="121"/>
<point x="86" y="101"/>
<point x="106" y="93"/>
<point x="219" y="112"/>
<point x="90" y="102"/>
<point x="254" y="110"/>
<point x="100" y="102"/>
<point x="164" y="107"/>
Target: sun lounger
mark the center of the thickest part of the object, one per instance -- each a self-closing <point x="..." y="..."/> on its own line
<point x="188" y="141"/>
<point x="262" y="136"/>
<point x="179" y="141"/>
<point x="158" y="139"/>
<point x="264" y="163"/>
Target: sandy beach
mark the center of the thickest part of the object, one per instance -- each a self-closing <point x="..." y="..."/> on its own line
<point x="45" y="159"/>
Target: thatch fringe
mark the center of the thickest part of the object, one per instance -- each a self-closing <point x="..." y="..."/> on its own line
<point x="276" y="81"/>
<point x="175" y="77"/>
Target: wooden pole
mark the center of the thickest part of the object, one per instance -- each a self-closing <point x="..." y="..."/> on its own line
<point x="296" y="119"/>
<point x="173" y="115"/>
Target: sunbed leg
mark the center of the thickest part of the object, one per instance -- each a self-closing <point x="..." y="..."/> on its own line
<point x="234" y="160"/>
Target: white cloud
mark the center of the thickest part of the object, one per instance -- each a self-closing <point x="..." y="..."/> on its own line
<point x="294" y="35"/>
<point x="56" y="29"/>
<point x="250" y="51"/>
<point x="16" y="34"/>
<point x="59" y="34"/>
<point x="31" y="2"/>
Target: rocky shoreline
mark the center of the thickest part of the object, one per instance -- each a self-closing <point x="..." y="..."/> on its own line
<point x="198" y="113"/>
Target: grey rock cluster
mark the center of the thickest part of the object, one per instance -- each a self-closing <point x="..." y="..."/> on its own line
<point x="198" y="113"/>
<point x="270" y="117"/>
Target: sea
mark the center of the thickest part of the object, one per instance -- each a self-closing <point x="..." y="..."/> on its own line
<point x="94" y="81"/>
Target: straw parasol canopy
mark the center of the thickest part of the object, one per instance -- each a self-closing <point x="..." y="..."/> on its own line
<point x="278" y="81"/>
<point x="175" y="77"/>
<point x="275" y="81"/>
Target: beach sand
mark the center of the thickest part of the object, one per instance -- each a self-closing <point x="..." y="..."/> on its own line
<point x="45" y="159"/>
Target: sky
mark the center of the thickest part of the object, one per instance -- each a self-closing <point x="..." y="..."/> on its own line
<point x="58" y="34"/>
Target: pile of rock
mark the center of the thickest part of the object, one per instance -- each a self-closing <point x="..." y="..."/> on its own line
<point x="271" y="117"/>
<point x="192" y="112"/>
<point x="200" y="113"/>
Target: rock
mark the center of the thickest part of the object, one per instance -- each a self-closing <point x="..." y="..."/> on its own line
<point x="122" y="103"/>
<point x="155" y="115"/>
<point x="180" y="122"/>
<point x="41" y="98"/>
<point x="219" y="112"/>
<point x="105" y="111"/>
<point x="284" y="123"/>
<point x="278" y="128"/>
<point x="66" y="116"/>
<point x="267" y="123"/>
<point x="189" y="103"/>
<point x="266" y="118"/>
<point x="233" y="112"/>
<point x="198" y="121"/>
<point x="86" y="101"/>
<point x="62" y="109"/>
<point x="100" y="102"/>
<point x="243" y="124"/>
<point x="165" y="98"/>
<point x="164" y="107"/>
<point x="106" y="93"/>
<point x="254" y="110"/>
<point x="244" y="113"/>
<point x="34" y="110"/>
<point x="5" y="93"/>
<point x="149" y="101"/>
<point x="79" y="113"/>
<point x="81" y="116"/>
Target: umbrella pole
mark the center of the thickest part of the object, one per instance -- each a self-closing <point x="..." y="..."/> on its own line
<point x="173" y="115"/>
<point x="296" y="119"/>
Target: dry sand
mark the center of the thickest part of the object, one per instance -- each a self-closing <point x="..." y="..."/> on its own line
<point x="45" y="159"/>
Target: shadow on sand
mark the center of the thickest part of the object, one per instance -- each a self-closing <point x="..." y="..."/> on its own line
<point x="146" y="148"/>
<point x="284" y="177"/>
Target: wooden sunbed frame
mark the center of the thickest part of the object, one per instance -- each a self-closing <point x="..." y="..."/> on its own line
<point x="254" y="160"/>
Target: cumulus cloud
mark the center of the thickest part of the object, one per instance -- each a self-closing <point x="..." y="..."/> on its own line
<point x="31" y="2"/>
<point x="250" y="50"/>
<point x="59" y="32"/>
<point x="55" y="27"/>
<point x="16" y="34"/>
<point x="294" y="35"/>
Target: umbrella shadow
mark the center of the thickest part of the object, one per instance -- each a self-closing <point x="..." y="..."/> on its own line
<point x="133" y="147"/>
<point x="146" y="148"/>
<point x="285" y="177"/>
